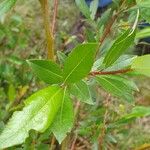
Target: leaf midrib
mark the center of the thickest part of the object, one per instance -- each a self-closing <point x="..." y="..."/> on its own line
<point x="48" y="70"/>
<point x="35" y="115"/>
<point x="76" y="67"/>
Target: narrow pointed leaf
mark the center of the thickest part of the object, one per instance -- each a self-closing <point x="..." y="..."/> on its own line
<point x="83" y="8"/>
<point x="38" y="114"/>
<point x="64" y="120"/>
<point x="46" y="70"/>
<point x="79" y="62"/>
<point x="141" y="64"/>
<point x="119" y="47"/>
<point x="116" y="87"/>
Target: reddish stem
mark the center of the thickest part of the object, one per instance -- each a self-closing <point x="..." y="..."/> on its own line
<point x="95" y="73"/>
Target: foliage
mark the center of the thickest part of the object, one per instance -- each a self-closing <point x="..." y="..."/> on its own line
<point x="94" y="64"/>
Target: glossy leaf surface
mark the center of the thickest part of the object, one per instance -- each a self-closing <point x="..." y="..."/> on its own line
<point x="38" y="114"/>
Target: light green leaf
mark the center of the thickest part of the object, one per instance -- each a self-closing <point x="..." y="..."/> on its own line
<point x="119" y="47"/>
<point x="143" y="33"/>
<point x="93" y="8"/>
<point x="79" y="62"/>
<point x="122" y="62"/>
<point x="47" y="70"/>
<point x="141" y="64"/>
<point x="104" y="19"/>
<point x="143" y="3"/>
<point x="6" y="5"/>
<point x="64" y="120"/>
<point x="144" y="7"/>
<point x="137" y="112"/>
<point x="116" y="86"/>
<point x="82" y="92"/>
<point x="83" y="8"/>
<point x="38" y="114"/>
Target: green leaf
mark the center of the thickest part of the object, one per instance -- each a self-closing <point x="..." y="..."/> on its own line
<point x="83" y="8"/>
<point x="61" y="57"/>
<point x="122" y="62"/>
<point x="137" y="112"/>
<point x="82" y="92"/>
<point x="141" y="64"/>
<point x="93" y="8"/>
<point x="104" y="18"/>
<point x="64" y="120"/>
<point x="119" y="47"/>
<point x="143" y="3"/>
<point x="79" y="62"/>
<point x="47" y="70"/>
<point x="38" y="114"/>
<point x="90" y="36"/>
<point x="143" y="33"/>
<point x="144" y="7"/>
<point x="117" y="86"/>
<point x="6" y="5"/>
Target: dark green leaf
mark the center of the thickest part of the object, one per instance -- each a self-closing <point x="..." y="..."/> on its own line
<point x="117" y="86"/>
<point x="79" y="62"/>
<point x="119" y="47"/>
<point x="47" y="71"/>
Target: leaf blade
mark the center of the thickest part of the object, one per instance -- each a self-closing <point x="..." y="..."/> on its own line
<point x="38" y="114"/>
<point x="64" y="120"/>
<point x="46" y="70"/>
<point x="141" y="64"/>
<point x="79" y="62"/>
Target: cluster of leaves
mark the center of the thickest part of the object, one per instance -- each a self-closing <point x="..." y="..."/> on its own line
<point x="52" y="107"/>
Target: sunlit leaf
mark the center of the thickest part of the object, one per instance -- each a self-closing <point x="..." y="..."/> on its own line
<point x="38" y="114"/>
<point x="141" y="64"/>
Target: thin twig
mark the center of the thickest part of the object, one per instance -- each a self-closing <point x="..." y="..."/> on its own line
<point x="54" y="16"/>
<point x="95" y="73"/>
<point x="108" y="28"/>
<point x="110" y="24"/>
